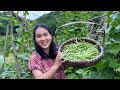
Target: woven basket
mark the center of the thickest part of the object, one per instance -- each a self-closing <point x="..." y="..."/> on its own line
<point x="83" y="63"/>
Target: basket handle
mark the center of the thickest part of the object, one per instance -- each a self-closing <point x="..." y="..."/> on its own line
<point x="82" y="22"/>
<point x="78" y="22"/>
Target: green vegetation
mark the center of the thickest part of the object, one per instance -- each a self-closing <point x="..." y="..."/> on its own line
<point x="21" y="42"/>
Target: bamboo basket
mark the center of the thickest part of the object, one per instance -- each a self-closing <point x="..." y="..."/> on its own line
<point x="83" y="63"/>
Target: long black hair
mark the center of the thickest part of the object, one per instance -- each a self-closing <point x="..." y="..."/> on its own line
<point x="53" y="48"/>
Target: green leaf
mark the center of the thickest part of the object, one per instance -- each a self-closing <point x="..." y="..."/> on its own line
<point x="23" y="57"/>
<point x="113" y="48"/>
<point x="7" y="53"/>
<point x="113" y="63"/>
<point x="109" y="13"/>
<point x="80" y="71"/>
<point x="26" y="13"/>
<point x="1" y="24"/>
<point x="118" y="69"/>
<point x="109" y="18"/>
<point x="108" y="29"/>
<point x="69" y="70"/>
<point x="72" y="76"/>
<point x="117" y="29"/>
<point x="107" y="73"/>
<point x="116" y="36"/>
<point x="116" y="20"/>
<point x="116" y="77"/>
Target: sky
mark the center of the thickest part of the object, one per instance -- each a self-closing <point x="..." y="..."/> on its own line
<point x="35" y="14"/>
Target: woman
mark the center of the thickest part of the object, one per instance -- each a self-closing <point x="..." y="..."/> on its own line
<point x="46" y="62"/>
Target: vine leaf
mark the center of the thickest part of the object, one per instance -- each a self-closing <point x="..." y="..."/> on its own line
<point x="113" y="63"/>
<point x="113" y="48"/>
<point x="118" y="69"/>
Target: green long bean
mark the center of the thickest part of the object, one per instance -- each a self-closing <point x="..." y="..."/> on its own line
<point x="80" y="51"/>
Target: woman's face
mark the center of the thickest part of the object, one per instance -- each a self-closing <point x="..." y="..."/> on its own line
<point x="43" y="38"/>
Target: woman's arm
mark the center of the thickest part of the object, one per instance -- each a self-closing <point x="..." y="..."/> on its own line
<point x="49" y="74"/>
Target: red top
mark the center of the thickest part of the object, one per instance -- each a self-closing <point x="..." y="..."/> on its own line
<point x="35" y="63"/>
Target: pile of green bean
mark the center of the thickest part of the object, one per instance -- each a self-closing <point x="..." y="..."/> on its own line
<point x="80" y="51"/>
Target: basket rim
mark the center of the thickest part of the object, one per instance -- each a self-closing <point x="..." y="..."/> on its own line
<point x="88" y="60"/>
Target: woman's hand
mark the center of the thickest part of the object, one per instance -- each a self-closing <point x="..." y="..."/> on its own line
<point x="59" y="58"/>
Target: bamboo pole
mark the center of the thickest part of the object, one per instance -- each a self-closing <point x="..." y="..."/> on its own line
<point x="5" y="47"/>
<point x="16" y="64"/>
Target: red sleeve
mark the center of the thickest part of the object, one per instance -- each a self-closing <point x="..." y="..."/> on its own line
<point x="33" y="63"/>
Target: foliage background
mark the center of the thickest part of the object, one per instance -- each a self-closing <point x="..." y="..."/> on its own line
<point x="107" y="68"/>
